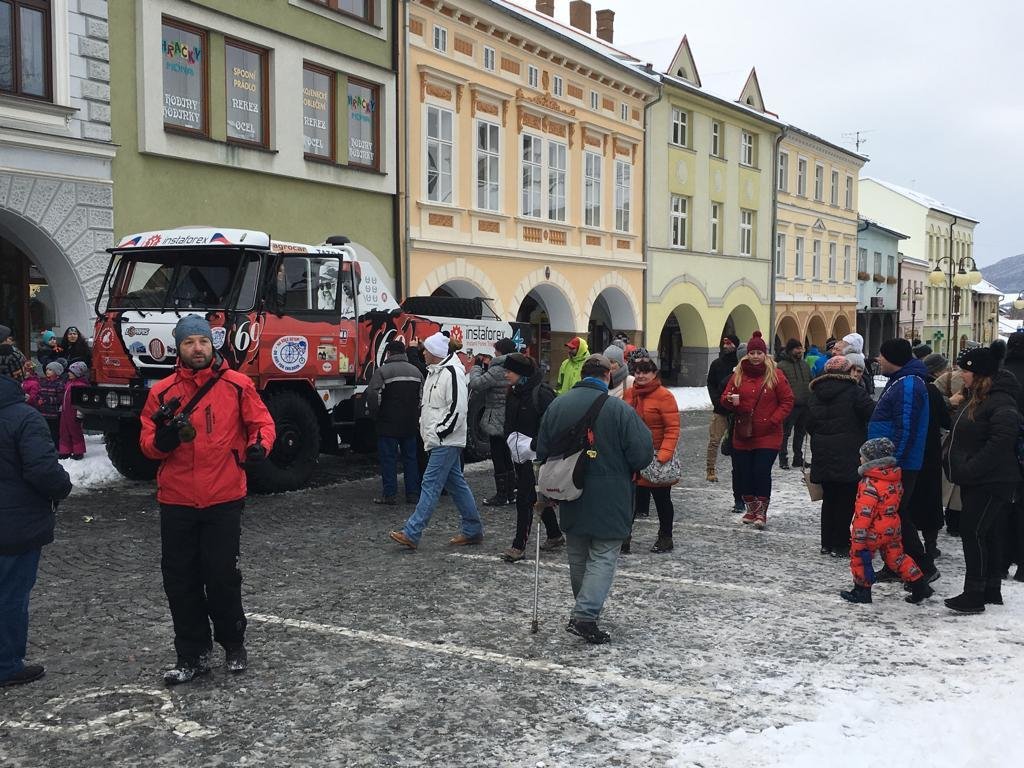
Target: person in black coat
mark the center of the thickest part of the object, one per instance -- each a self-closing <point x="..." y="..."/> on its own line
<point x="1014" y="363"/>
<point x="838" y="413"/>
<point x="393" y="397"/>
<point x="982" y="460"/>
<point x="527" y="399"/>
<point x="718" y="376"/>
<point x="31" y="482"/>
<point x="926" y="507"/>
<point x="76" y="349"/>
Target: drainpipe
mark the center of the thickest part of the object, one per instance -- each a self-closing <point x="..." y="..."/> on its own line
<point x="647" y="203"/>
<point x="949" y="299"/>
<point x="407" y="235"/>
<point x="867" y="319"/>
<point x="772" y="288"/>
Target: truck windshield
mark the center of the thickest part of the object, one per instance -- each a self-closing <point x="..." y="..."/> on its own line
<point x="186" y="279"/>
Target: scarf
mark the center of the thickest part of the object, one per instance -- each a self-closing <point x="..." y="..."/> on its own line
<point x="599" y="382"/>
<point x="619" y="375"/>
<point x="753" y="370"/>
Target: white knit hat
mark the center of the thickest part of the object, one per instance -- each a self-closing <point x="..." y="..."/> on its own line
<point x="856" y="342"/>
<point x="437" y="345"/>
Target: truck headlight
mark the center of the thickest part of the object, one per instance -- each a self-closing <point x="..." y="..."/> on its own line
<point x="112" y="400"/>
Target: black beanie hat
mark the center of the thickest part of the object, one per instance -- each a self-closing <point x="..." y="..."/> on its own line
<point x="896" y="351"/>
<point x="519" y="363"/>
<point x="792" y="344"/>
<point x="982" y="361"/>
<point x="921" y="351"/>
<point x="504" y="346"/>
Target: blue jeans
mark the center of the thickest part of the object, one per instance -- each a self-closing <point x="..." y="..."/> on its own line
<point x="591" y="570"/>
<point x="444" y="471"/>
<point x="388" y="448"/>
<point x="17" y="577"/>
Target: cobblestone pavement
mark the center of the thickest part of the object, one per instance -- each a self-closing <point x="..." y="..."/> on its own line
<point x="364" y="655"/>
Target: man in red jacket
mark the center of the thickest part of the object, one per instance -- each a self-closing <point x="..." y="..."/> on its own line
<point x="204" y="424"/>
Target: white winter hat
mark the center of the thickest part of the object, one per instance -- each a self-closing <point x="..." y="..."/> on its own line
<point x="437" y="345"/>
<point x="856" y="342"/>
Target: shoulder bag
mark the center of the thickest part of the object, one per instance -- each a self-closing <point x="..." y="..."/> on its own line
<point x="561" y="475"/>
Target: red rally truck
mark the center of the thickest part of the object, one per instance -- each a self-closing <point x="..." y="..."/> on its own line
<point x="308" y="324"/>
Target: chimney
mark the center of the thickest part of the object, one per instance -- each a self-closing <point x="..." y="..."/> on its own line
<point x="605" y="25"/>
<point x="579" y="15"/>
<point x="547" y="7"/>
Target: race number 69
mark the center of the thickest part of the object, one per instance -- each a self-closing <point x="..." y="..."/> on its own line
<point x="248" y="333"/>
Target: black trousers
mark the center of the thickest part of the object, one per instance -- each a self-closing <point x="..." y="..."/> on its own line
<point x="526" y="496"/>
<point x="199" y="559"/>
<point x="795" y="424"/>
<point x="836" y="515"/>
<point x="662" y="502"/>
<point x="911" y="541"/>
<point x="982" y="521"/>
<point x="501" y="457"/>
<point x="1013" y="531"/>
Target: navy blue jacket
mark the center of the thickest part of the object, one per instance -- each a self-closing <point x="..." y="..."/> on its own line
<point x="31" y="478"/>
<point x="902" y="414"/>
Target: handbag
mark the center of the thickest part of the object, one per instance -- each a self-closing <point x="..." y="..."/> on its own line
<point x="561" y="475"/>
<point x="727" y="438"/>
<point x="668" y="473"/>
<point x="814" y="490"/>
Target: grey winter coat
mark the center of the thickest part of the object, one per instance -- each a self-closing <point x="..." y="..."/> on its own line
<point x="624" y="446"/>
<point x="492" y="384"/>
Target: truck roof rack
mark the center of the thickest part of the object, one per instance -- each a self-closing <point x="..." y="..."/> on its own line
<point x="338" y="240"/>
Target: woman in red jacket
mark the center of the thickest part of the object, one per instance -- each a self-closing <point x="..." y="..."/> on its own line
<point x="760" y="398"/>
<point x="660" y="412"/>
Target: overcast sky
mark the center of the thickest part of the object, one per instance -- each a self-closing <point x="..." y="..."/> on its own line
<point x="935" y="87"/>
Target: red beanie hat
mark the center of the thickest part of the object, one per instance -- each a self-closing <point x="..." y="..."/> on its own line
<point x="756" y="343"/>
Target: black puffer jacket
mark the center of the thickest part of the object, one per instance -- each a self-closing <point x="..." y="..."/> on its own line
<point x="718" y="377"/>
<point x="982" y="449"/>
<point x="31" y="478"/>
<point x="1014" y="363"/>
<point x="525" y="404"/>
<point x="838" y="412"/>
<point x="393" y="397"/>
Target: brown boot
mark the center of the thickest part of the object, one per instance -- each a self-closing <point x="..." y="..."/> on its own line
<point x="463" y="540"/>
<point x="712" y="475"/>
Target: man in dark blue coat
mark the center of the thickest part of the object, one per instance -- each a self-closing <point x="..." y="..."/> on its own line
<point x="31" y="482"/>
<point x="902" y="415"/>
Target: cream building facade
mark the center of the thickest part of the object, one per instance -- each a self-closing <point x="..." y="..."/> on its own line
<point x="937" y="232"/>
<point x="525" y="174"/>
<point x="913" y="293"/>
<point x="816" y="239"/>
<point x="709" y="219"/>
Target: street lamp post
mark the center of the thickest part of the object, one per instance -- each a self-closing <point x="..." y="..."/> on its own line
<point x="955" y="279"/>
<point x="913" y="295"/>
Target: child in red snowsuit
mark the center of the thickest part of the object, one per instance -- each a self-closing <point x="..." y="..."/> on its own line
<point x="72" y="439"/>
<point x="876" y="525"/>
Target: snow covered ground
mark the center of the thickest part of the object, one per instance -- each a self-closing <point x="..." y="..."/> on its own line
<point x="692" y="398"/>
<point x="95" y="469"/>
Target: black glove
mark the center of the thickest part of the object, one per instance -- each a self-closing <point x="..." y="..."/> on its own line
<point x="167" y="438"/>
<point x="255" y="454"/>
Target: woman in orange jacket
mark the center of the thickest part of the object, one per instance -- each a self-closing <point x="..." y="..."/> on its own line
<point x="658" y="409"/>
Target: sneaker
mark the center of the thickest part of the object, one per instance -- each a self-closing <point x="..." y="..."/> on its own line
<point x="28" y="674"/>
<point x="712" y="476"/>
<point x="919" y="590"/>
<point x="967" y="602"/>
<point x="187" y="670"/>
<point x="388" y="501"/>
<point x="462" y="540"/>
<point x="856" y="595"/>
<point x="401" y="538"/>
<point x="663" y="544"/>
<point x="783" y="462"/>
<point x="588" y="630"/>
<point x="497" y="500"/>
<point x="513" y="555"/>
<point x="411" y="499"/>
<point x="237" y="659"/>
<point x="551" y="544"/>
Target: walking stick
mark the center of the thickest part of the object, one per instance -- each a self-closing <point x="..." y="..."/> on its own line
<point x="538" y="507"/>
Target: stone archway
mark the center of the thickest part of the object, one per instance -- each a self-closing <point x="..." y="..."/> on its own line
<point x="610" y="312"/>
<point x="742" y="322"/>
<point x="683" y="346"/>
<point x="462" y="279"/>
<point x="788" y="329"/>
<point x="817" y="332"/>
<point x="558" y="297"/>
<point x="841" y="326"/>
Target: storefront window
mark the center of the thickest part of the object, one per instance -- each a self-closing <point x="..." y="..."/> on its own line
<point x="362" y="124"/>
<point x="317" y="112"/>
<point x="183" y="51"/>
<point x="245" y="78"/>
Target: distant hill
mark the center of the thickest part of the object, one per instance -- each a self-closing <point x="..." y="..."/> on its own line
<point x="1007" y="274"/>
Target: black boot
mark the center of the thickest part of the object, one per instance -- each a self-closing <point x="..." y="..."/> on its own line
<point x="625" y="548"/>
<point x="500" y="497"/>
<point x="236" y="659"/>
<point x="783" y="462"/>
<point x="919" y="590"/>
<point x="663" y="544"/>
<point x="187" y="670"/>
<point x="857" y="595"/>
<point x="589" y="631"/>
<point x="967" y="602"/>
<point x="1019" y="575"/>
<point x="993" y="595"/>
<point x="953" y="522"/>
<point x="931" y="545"/>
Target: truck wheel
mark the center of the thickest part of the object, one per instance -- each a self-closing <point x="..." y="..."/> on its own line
<point x="296" y="448"/>
<point x="126" y="456"/>
<point x="478" y="445"/>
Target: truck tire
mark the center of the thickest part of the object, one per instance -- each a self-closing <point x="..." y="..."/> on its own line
<point x="126" y="456"/>
<point x="296" y="448"/>
<point x="478" y="444"/>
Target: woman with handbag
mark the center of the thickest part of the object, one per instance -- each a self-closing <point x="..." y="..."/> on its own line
<point x="760" y="398"/>
<point x="838" y="412"/>
<point x="658" y="409"/>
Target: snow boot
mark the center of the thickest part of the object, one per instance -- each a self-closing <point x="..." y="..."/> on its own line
<point x="712" y="476"/>
<point x="762" y="513"/>
<point x="588" y="630"/>
<point x="919" y="590"/>
<point x="751" y="505"/>
<point x="967" y="602"/>
<point x="993" y="595"/>
<point x="187" y="670"/>
<point x="500" y="497"/>
<point x="663" y="544"/>
<point x="858" y="594"/>
<point x="236" y="658"/>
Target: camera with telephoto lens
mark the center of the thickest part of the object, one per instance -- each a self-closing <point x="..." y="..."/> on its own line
<point x="167" y="415"/>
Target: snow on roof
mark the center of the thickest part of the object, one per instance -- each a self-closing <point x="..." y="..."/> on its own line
<point x="884" y="228"/>
<point x="986" y="288"/>
<point x="921" y="199"/>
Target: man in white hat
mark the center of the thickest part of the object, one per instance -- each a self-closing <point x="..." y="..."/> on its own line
<point x="444" y="406"/>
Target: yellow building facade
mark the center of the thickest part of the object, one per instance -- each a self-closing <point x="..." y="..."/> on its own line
<point x="524" y="176"/>
<point x="816" y="239"/>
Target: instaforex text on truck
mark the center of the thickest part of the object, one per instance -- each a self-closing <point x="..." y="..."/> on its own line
<point x="307" y="323"/>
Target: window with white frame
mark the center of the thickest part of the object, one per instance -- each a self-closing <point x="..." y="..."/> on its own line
<point x="533" y="169"/>
<point x="558" y="155"/>
<point x="533" y="76"/>
<point x="746" y="232"/>
<point x="832" y="261"/>
<point x="440" y="151"/>
<point x="878" y="263"/>
<point x="488" y="164"/>
<point x="440" y="39"/>
<point x="680" y="208"/>
<point x="780" y="255"/>
<point x="783" y="175"/>
<point x="716" y="138"/>
<point x="747" y="153"/>
<point x="488" y="58"/>
<point x="679" y="125"/>
<point x="849" y="193"/>
<point x="816" y="260"/>
<point x="799" y="250"/>
<point x="891" y="272"/>
<point x="846" y="263"/>
<point x="862" y="259"/>
<point x="834" y="199"/>
<point x="557" y="85"/>
<point x="819" y="183"/>
<point x="716" y="224"/>
<point x="595" y="100"/>
<point x="801" y="177"/>
<point x="623" y="194"/>
<point x="592" y="189"/>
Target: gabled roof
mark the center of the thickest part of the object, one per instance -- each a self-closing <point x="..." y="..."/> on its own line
<point x="986" y="288"/>
<point x="807" y="134"/>
<point x="683" y="66"/>
<point x="876" y="225"/>
<point x="921" y="199"/>
<point x="751" y="93"/>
